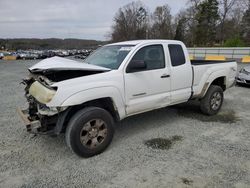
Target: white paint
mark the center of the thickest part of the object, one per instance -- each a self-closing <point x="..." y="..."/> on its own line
<point x="134" y="93"/>
<point x="63" y="63"/>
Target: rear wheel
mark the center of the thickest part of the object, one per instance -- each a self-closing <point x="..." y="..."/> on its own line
<point x="212" y="101"/>
<point x="90" y="131"/>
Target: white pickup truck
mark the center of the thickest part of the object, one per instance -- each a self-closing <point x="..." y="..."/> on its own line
<point x="84" y="100"/>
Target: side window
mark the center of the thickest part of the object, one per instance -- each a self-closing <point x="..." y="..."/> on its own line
<point x="153" y="56"/>
<point x="176" y="55"/>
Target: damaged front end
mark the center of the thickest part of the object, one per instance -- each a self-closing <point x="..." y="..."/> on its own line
<point x="38" y="117"/>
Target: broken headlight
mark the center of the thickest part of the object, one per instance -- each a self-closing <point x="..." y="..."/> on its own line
<point x="49" y="111"/>
<point x="41" y="93"/>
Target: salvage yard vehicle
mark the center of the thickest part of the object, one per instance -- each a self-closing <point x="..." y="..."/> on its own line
<point x="243" y="76"/>
<point x="84" y="100"/>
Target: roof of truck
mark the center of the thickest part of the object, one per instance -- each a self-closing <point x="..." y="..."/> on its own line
<point x="136" y="42"/>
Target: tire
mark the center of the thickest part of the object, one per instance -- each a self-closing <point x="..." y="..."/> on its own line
<point x="90" y="131"/>
<point x="211" y="103"/>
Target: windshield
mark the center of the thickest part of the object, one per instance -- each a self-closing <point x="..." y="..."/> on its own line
<point x="109" y="56"/>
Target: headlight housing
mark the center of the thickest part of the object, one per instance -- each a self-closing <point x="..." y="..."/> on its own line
<point x="49" y="111"/>
<point x="41" y="93"/>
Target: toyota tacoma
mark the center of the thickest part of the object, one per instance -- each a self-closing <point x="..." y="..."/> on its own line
<point x="84" y="100"/>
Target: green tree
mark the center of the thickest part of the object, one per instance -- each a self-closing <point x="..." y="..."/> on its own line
<point x="207" y="18"/>
<point x="245" y="25"/>
<point x="234" y="42"/>
<point x="180" y="32"/>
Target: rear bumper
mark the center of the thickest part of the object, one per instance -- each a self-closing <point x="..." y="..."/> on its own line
<point x="31" y="126"/>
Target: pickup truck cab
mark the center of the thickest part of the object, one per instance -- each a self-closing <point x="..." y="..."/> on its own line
<point x="84" y="100"/>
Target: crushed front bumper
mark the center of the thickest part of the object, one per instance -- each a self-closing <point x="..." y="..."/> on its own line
<point x="41" y="127"/>
<point x="31" y="126"/>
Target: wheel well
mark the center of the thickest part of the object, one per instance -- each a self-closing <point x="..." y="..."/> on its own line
<point x="105" y="103"/>
<point x="220" y="82"/>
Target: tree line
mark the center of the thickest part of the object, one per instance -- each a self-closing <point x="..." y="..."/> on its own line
<point x="201" y="23"/>
<point x="48" y="44"/>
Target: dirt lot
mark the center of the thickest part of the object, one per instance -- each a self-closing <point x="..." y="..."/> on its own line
<point x="171" y="147"/>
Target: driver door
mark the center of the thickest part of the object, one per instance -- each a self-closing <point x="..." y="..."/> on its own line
<point x="148" y="88"/>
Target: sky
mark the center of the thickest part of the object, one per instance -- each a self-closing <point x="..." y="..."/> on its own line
<point x="83" y="19"/>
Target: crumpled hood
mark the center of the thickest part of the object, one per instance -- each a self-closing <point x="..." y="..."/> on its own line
<point x="59" y="63"/>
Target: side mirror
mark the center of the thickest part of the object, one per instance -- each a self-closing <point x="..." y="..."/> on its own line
<point x="136" y="65"/>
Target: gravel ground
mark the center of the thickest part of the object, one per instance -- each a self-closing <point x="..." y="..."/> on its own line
<point x="171" y="147"/>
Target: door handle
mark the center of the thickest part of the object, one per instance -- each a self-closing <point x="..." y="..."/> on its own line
<point x="165" y="76"/>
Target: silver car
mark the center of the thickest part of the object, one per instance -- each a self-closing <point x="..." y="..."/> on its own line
<point x="243" y="76"/>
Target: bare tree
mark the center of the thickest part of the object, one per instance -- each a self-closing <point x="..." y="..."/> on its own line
<point x="181" y="26"/>
<point x="194" y="3"/>
<point x="190" y="21"/>
<point x="162" y="23"/>
<point x="226" y="7"/>
<point x="245" y="25"/>
<point x="129" y="22"/>
<point x="194" y="25"/>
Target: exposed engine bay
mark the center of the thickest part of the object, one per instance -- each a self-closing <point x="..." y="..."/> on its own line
<point x="39" y="89"/>
<point x="37" y="93"/>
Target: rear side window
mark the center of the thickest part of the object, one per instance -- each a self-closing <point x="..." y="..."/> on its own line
<point x="176" y="55"/>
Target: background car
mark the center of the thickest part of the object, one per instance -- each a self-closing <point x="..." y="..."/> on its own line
<point x="243" y="76"/>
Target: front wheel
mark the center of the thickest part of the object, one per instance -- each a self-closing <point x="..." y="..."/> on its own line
<point x="212" y="101"/>
<point x="90" y="131"/>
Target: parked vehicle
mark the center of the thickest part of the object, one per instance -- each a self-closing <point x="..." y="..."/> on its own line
<point x="62" y="53"/>
<point x="243" y="76"/>
<point x="49" y="53"/>
<point x="80" y="56"/>
<point x="84" y="100"/>
<point x="28" y="55"/>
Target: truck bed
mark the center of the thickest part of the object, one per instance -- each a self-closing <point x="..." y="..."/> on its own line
<point x="203" y="71"/>
<point x="206" y="62"/>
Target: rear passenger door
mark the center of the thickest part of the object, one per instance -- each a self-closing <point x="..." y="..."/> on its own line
<point x="181" y="74"/>
<point x="149" y="88"/>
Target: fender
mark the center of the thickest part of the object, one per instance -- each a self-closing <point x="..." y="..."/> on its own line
<point x="207" y="80"/>
<point x="213" y="76"/>
<point x="97" y="93"/>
